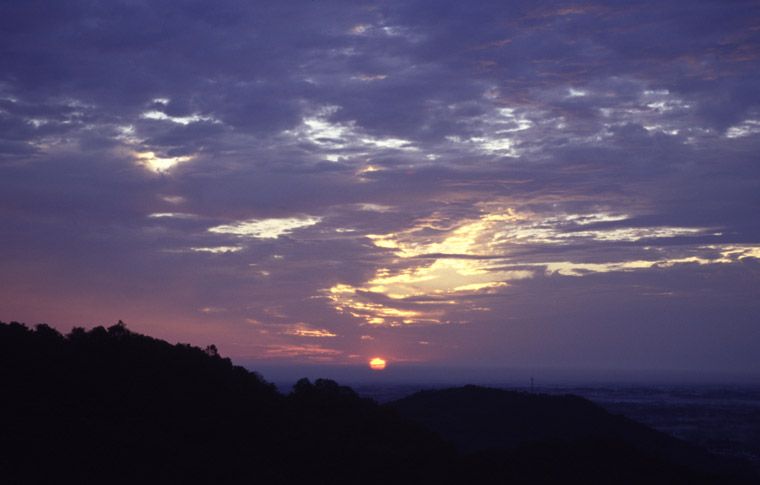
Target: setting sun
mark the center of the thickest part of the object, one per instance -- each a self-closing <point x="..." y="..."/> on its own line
<point x="377" y="363"/>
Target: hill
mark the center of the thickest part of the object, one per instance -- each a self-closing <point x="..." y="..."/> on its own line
<point x="487" y="421"/>
<point x="112" y="406"/>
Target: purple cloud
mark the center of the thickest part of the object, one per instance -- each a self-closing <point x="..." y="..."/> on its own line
<point x="565" y="184"/>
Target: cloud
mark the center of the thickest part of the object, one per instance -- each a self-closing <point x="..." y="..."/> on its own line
<point x="476" y="176"/>
<point x="265" y="228"/>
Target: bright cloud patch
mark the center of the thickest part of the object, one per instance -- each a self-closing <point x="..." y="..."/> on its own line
<point x="363" y="305"/>
<point x="342" y="139"/>
<point x="182" y="120"/>
<point x="218" y="249"/>
<point x="707" y="255"/>
<point x="158" y="164"/>
<point x="310" y="352"/>
<point x="304" y="330"/>
<point x="266" y="228"/>
<point x="444" y="261"/>
<point x="498" y="132"/>
<point x="174" y="215"/>
<point x="748" y="127"/>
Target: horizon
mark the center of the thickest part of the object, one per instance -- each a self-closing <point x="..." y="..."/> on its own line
<point x="423" y="375"/>
<point x="459" y="191"/>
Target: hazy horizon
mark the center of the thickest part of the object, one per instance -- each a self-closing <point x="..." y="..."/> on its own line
<point x="426" y="375"/>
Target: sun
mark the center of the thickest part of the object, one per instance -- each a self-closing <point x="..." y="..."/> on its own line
<point x="377" y="363"/>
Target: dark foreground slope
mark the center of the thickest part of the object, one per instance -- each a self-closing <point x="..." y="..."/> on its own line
<point x="112" y="406"/>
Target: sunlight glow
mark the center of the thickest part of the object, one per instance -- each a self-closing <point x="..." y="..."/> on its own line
<point x="311" y="352"/>
<point x="439" y="260"/>
<point x="730" y="254"/>
<point x="358" y="29"/>
<point x="156" y="164"/>
<point x="377" y="363"/>
<point x="304" y="330"/>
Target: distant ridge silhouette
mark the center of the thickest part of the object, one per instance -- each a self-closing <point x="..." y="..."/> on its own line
<point x="112" y="406"/>
<point x="477" y="419"/>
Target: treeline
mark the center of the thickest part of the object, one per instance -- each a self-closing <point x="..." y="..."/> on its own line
<point x="112" y="406"/>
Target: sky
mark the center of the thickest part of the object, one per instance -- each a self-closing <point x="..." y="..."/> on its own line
<point x="474" y="184"/>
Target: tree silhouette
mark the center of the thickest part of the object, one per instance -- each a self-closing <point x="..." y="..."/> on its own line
<point x="211" y="351"/>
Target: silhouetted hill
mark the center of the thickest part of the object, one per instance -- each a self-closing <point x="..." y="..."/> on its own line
<point x="112" y="406"/>
<point x="477" y="419"/>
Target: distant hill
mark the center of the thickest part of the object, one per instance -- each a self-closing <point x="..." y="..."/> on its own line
<point x="112" y="406"/>
<point x="478" y="419"/>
